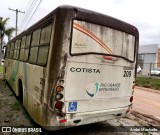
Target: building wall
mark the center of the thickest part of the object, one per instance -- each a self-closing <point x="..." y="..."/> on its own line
<point x="158" y="59"/>
<point x="149" y="58"/>
<point x="149" y="54"/>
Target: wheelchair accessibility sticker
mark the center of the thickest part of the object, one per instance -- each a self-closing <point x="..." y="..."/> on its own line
<point x="72" y="106"/>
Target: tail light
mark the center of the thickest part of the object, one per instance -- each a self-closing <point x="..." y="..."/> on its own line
<point x="63" y="121"/>
<point x="59" y="96"/>
<point x="59" y="105"/>
<point x="59" y="88"/>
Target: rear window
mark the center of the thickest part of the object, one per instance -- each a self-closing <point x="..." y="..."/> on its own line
<point x="88" y="38"/>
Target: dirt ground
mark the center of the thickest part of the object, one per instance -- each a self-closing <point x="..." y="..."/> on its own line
<point x="12" y="113"/>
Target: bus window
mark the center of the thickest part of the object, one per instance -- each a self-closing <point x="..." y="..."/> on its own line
<point x="88" y="38"/>
<point x="26" y="50"/>
<point x="42" y="55"/>
<point x="34" y="46"/>
<point x="22" y="48"/>
<point x="16" y="49"/>
<point x="35" y="38"/>
<point x="44" y="45"/>
<point x="45" y="35"/>
<point x="12" y="50"/>
<point x="33" y="55"/>
<point x="8" y="51"/>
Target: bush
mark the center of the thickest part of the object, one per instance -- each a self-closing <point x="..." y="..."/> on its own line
<point x="1" y="69"/>
<point x="15" y="106"/>
<point x="152" y="83"/>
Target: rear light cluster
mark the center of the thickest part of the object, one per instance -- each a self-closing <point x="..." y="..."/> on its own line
<point x="59" y="104"/>
<point x="133" y="86"/>
<point x="131" y="99"/>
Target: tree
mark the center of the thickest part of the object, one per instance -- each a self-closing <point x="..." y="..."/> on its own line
<point x="4" y="31"/>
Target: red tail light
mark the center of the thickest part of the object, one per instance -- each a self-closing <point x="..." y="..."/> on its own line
<point x="131" y="98"/>
<point x="62" y="121"/>
<point x="59" y="105"/>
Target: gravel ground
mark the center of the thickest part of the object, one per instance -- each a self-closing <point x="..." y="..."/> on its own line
<point x="12" y="113"/>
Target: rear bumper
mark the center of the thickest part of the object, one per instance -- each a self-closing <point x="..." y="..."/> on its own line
<point x="93" y="117"/>
<point x="88" y="118"/>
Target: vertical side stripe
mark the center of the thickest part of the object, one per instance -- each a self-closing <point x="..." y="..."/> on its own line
<point x="25" y="77"/>
<point x="13" y="76"/>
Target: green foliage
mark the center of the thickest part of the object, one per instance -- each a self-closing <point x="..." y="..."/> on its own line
<point x="147" y="82"/>
<point x="1" y="69"/>
<point x="15" y="106"/>
<point x="11" y="94"/>
<point x="4" y="29"/>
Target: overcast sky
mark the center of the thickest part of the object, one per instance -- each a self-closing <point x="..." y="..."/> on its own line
<point x="144" y="14"/>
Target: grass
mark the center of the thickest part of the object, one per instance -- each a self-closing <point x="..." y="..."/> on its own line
<point x="15" y="106"/>
<point x="152" y="83"/>
<point x="11" y="94"/>
<point x="1" y="69"/>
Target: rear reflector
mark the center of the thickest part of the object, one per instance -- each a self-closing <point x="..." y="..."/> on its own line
<point x="62" y="121"/>
<point x="108" y="57"/>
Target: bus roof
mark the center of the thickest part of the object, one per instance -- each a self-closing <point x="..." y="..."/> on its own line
<point x="83" y="14"/>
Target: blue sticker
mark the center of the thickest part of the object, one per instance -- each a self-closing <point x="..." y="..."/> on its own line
<point x="72" y="106"/>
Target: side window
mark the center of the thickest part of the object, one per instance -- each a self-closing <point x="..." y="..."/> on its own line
<point x="16" y="49"/>
<point x="23" y="43"/>
<point x="26" y="50"/>
<point x="43" y="55"/>
<point x="36" y="37"/>
<point x="45" y="35"/>
<point x="44" y="45"/>
<point x="40" y="46"/>
<point x="34" y="46"/>
<point x="11" y="51"/>
<point x="8" y="51"/>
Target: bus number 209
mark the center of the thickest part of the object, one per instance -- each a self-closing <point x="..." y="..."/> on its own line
<point x="127" y="74"/>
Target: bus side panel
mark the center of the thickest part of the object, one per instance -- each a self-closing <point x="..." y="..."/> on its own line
<point x="31" y="77"/>
<point x="35" y="91"/>
<point x="11" y="71"/>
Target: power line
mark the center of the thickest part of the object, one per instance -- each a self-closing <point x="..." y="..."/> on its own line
<point x="32" y="14"/>
<point x="17" y="11"/>
<point x="28" y="12"/>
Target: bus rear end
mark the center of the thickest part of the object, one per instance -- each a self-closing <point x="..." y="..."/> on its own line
<point x="100" y="74"/>
<point x="96" y="76"/>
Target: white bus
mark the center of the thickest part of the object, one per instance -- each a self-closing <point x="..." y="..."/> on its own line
<point x="74" y="67"/>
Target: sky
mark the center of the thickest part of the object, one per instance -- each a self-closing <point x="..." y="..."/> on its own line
<point x="143" y="14"/>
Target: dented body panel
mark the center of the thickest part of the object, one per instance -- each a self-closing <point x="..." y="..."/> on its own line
<point x="91" y="62"/>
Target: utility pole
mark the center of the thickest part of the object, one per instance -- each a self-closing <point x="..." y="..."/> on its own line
<point x="17" y="11"/>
